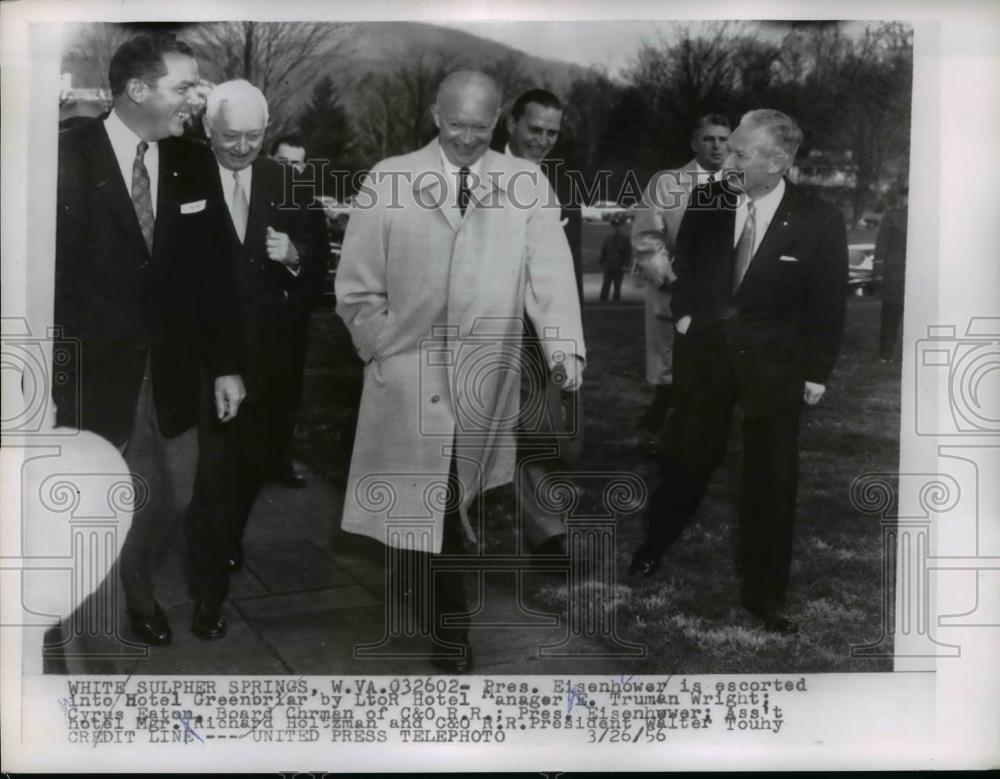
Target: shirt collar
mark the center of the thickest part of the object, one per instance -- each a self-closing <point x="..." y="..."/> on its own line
<point x="451" y="169"/>
<point x="122" y="137"/>
<point x="246" y="177"/>
<point x="702" y="175"/>
<point x="768" y="204"/>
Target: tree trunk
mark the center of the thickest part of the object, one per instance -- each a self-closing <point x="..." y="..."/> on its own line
<point x="248" y="46"/>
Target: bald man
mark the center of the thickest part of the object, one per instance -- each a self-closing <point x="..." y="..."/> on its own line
<point x="271" y="243"/>
<point x="447" y="249"/>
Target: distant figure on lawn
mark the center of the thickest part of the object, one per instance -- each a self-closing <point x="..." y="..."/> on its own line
<point x="616" y="256"/>
<point x="759" y="305"/>
<point x="890" y="264"/>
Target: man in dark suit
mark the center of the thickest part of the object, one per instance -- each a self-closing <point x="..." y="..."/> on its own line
<point x="270" y="240"/>
<point x="142" y="286"/>
<point x="552" y="418"/>
<point x="759" y="308"/>
<point x="289" y="150"/>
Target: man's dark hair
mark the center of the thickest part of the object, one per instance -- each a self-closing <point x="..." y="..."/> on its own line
<point x="710" y="119"/>
<point x="142" y="57"/>
<point x="540" y="97"/>
<point x="288" y="139"/>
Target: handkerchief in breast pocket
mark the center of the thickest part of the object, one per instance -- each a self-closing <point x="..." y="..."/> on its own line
<point x="787" y="258"/>
<point x="193" y="207"/>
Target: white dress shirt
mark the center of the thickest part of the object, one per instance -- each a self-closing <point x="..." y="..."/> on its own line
<point x="765" y="208"/>
<point x="124" y="143"/>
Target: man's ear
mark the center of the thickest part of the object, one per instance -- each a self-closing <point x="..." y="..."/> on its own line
<point x="137" y="90"/>
<point x="206" y="125"/>
<point x="435" y="114"/>
<point x="511" y="124"/>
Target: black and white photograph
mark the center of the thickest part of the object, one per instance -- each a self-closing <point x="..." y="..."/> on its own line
<point x="500" y="379"/>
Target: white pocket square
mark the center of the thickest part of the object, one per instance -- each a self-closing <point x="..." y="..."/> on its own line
<point x="787" y="258"/>
<point x="193" y="207"/>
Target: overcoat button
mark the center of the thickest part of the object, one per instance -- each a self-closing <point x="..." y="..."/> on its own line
<point x="435" y="398"/>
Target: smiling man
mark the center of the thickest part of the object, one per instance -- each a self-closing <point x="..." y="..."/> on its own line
<point x="534" y="124"/>
<point x="271" y="242"/>
<point x="143" y="287"/>
<point x="759" y="306"/>
<point x="447" y="249"/>
<point x="552" y="419"/>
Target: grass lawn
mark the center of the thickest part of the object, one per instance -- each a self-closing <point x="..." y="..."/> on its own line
<point x="688" y="615"/>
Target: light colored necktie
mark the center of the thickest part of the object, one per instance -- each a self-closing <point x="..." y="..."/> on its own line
<point x="744" y="248"/>
<point x="142" y="200"/>
<point x="240" y="209"/>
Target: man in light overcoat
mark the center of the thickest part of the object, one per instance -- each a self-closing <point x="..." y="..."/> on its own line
<point x="448" y="248"/>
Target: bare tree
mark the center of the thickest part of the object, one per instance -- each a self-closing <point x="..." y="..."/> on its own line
<point x="393" y="105"/>
<point x="89" y="49"/>
<point x="283" y="59"/>
<point x="508" y="72"/>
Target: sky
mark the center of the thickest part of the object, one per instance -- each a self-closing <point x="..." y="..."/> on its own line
<point x="610" y="44"/>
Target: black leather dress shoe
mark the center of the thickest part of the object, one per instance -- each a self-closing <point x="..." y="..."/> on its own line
<point x="208" y="621"/>
<point x="151" y="629"/>
<point x="774" y="621"/>
<point x="234" y="563"/>
<point x="446" y="658"/>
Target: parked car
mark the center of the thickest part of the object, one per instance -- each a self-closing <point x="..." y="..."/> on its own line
<point x="861" y="279"/>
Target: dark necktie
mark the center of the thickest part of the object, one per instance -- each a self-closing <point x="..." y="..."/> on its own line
<point x="744" y="248"/>
<point x="142" y="201"/>
<point x="463" y="189"/>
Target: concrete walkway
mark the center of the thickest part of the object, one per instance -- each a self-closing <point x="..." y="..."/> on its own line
<point x="310" y="598"/>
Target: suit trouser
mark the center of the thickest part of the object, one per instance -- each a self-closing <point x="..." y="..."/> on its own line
<point x="163" y="471"/>
<point x="235" y="459"/>
<point x="695" y="444"/>
<point x="296" y="382"/>
<point x="411" y="574"/>
<point x="612" y="277"/>
<point x="550" y="421"/>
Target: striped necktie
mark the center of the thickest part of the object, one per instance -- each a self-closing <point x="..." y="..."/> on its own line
<point x="142" y="201"/>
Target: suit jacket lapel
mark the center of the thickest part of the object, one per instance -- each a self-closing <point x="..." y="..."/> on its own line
<point x="776" y="230"/>
<point x="783" y="217"/>
<point x="107" y="178"/>
<point x="259" y="205"/>
<point x="434" y="188"/>
<point x="166" y="192"/>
